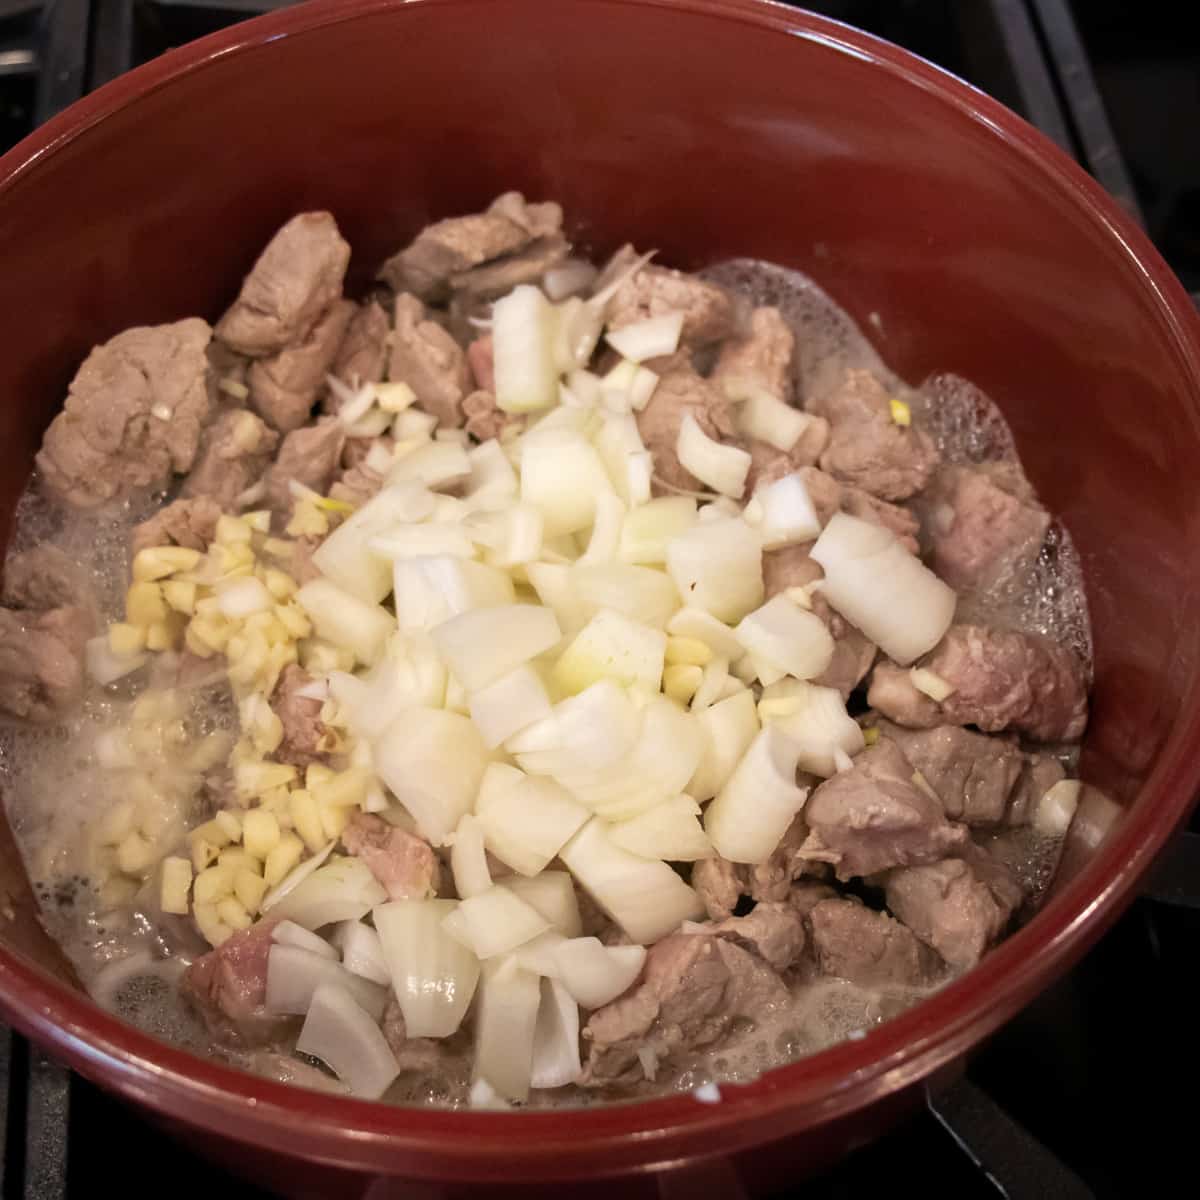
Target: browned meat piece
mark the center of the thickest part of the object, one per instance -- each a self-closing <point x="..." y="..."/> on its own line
<point x="234" y="453"/>
<point x="866" y="447"/>
<point x="228" y="988"/>
<point x="789" y="567"/>
<point x="41" y="661"/>
<point x="774" y="931"/>
<point x="984" y="522"/>
<point x="300" y="567"/>
<point x="303" y="729"/>
<point x="356" y="485"/>
<point x="528" y="265"/>
<point x="284" y="387"/>
<point x="950" y="907"/>
<point x="310" y="456"/>
<point x="691" y="990"/>
<point x="132" y="417"/>
<point x="295" y="280"/>
<point x="227" y="375"/>
<point x="45" y="578"/>
<point x="708" y="311"/>
<point x="356" y="450"/>
<point x="1001" y="680"/>
<point x="767" y="464"/>
<point x="404" y="863"/>
<point x="430" y="361"/>
<point x="892" y="517"/>
<point x="362" y="356"/>
<point x="457" y="244"/>
<point x="876" y="816"/>
<point x="868" y="948"/>
<point x="681" y="391"/>
<point x="190" y="523"/>
<point x="485" y="419"/>
<point x="720" y="883"/>
<point x="974" y="775"/>
<point x="763" y="356"/>
<point x="806" y="895"/>
<point x="481" y="359"/>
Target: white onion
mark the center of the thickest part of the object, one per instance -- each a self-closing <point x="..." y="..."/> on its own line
<point x="510" y="704"/>
<point x="410" y="674"/>
<point x="669" y="831"/>
<point x="767" y="418"/>
<point x="653" y="337"/>
<point x="293" y="975"/>
<point x="717" y="566"/>
<point x="647" y="529"/>
<point x="787" y="515"/>
<point x="755" y="807"/>
<point x="345" y="620"/>
<point x="573" y="275"/>
<point x="491" y="472"/>
<point x="586" y="732"/>
<point x="362" y="951"/>
<point x="524" y="327"/>
<point x="343" y="1036"/>
<point x="723" y="468"/>
<point x="878" y="586"/>
<point x="434" y="977"/>
<point x="639" y="593"/>
<point x="354" y="404"/>
<point x="494" y="922"/>
<point x="412" y="425"/>
<point x="527" y="824"/>
<point x="373" y="425"/>
<point x="555" y="587"/>
<point x="517" y="535"/>
<point x="785" y="636"/>
<point x="431" y="590"/>
<point x="379" y="458"/>
<point x="606" y="531"/>
<point x="505" y="1024"/>
<point x="555" y="1038"/>
<point x="241" y="598"/>
<point x="1055" y="810"/>
<point x="578" y="325"/>
<point x="294" y="878"/>
<point x="764" y="671"/>
<point x="728" y="727"/>
<point x="695" y="623"/>
<point x="553" y="895"/>
<point x="537" y="954"/>
<point x="561" y="474"/>
<point x="816" y="720"/>
<point x="342" y="890"/>
<point x="288" y="933"/>
<point x="104" y="666"/>
<point x="611" y="646"/>
<point x="593" y="973"/>
<point x="582" y="389"/>
<point x="712" y="684"/>
<point x="436" y="464"/>
<point x="415" y="541"/>
<point x="484" y="644"/>
<point x="646" y="898"/>
<point x="468" y="859"/>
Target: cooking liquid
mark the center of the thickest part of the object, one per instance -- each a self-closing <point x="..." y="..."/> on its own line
<point x="128" y="954"/>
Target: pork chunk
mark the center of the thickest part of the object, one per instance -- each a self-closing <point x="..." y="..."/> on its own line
<point x="721" y="883"/>
<point x="189" y="523"/>
<point x="303" y="730"/>
<point x="234" y="453"/>
<point x="133" y="415"/>
<point x="485" y="418"/>
<point x="44" y="578"/>
<point x="430" y="361"/>
<point x="41" y="661"/>
<point x="309" y="456"/>
<point x="774" y="931"/>
<point x="681" y="391"/>
<point x="851" y="941"/>
<point x="763" y="356"/>
<point x="404" y="863"/>
<point x="363" y="354"/>
<point x="708" y="311"/>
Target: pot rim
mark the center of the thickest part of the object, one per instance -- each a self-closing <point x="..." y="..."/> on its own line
<point x="469" y="1146"/>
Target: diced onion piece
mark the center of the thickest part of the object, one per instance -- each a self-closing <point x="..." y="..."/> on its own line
<point x="931" y="683"/>
<point x="436" y="465"/>
<point x="409" y="674"/>
<point x="723" y="468"/>
<point x="484" y="644"/>
<point x="553" y="895"/>
<point x="434" y="977"/>
<point x="712" y="684"/>
<point x="537" y="954"/>
<point x="362" y="952"/>
<point x="526" y="825"/>
<point x="578" y="325"/>
<point x="594" y="973"/>
<point x="343" y="1036"/>
<point x="512" y="535"/>
<point x="623" y="452"/>
<point x="241" y="598"/>
<point x="104" y="666"/>
<point x="669" y="831"/>
<point x="432" y="761"/>
<point x="431" y="590"/>
<point x="755" y="807"/>
<point x="569" y="277"/>
<point x="648" y="528"/>
<point x="468" y="859"/>
<point x="788" y="516"/>
<point x="413" y="426"/>
<point x="491" y="472"/>
<point x="561" y="474"/>
<point x="342" y="890"/>
<point x="606" y="531"/>
<point x="510" y="704"/>
<point x="288" y="933"/>
<point x="766" y="418"/>
<point x="717" y="566"/>
<point x="646" y="898"/>
<point x="704" y="627"/>
<point x="354" y="404"/>
<point x="586" y="732"/>
<point x="555" y="1038"/>
<point x="345" y="620"/>
<point x="653" y="337"/>
<point x="505" y="1025"/>
<point x="415" y="541"/>
<point x="785" y="636"/>
<point x="1054" y="811"/>
<point x="611" y="646"/>
<point x="345" y="557"/>
<point x="639" y="593"/>
<point x="555" y="587"/>
<point x="494" y="922"/>
<point x="816" y="720"/>
<point x="294" y="877"/>
<point x="728" y="727"/>
<point x="293" y="975"/>
<point x="878" y="586"/>
<point x="524" y="326"/>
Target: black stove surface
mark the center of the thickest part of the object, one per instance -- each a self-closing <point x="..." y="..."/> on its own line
<point x="1070" y="1098"/>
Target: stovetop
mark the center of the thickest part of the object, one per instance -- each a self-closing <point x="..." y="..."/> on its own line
<point x="1070" y="1099"/>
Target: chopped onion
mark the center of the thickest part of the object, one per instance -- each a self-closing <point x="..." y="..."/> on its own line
<point x="646" y="898"/>
<point x="755" y="807"/>
<point x="647" y="529"/>
<point x="653" y="337"/>
<point x="468" y="859"/>
<point x="416" y="541"/>
<point x="342" y="890"/>
<point x="434" y="977"/>
<point x="723" y="468"/>
<point x="704" y="627"/>
<point x="484" y="644"/>
<point x="577" y="331"/>
<point x="524" y="326"/>
<point x="537" y="954"/>
<point x="788" y="516"/>
<point x="430" y="590"/>
<point x="293" y="975"/>
<point x="513" y="535"/>
<point x="412" y="425"/>
<point x="494" y="922"/>
<point x="288" y="933"/>
<point x="669" y="831"/>
<point x="294" y="878"/>
<point x="432" y="761"/>
<point x="606" y="531"/>
<point x="241" y="598"/>
<point x="351" y="404"/>
<point x="555" y="1038"/>
<point x="345" y="620"/>
<point x="611" y="646"/>
<point x="727" y="727"/>
<point x="878" y="586"/>
<point x="765" y="672"/>
<point x="561" y="474"/>
<point x="104" y="666"/>
<point x="569" y="277"/>
<point x="436" y="464"/>
<point x="373" y="425"/>
<point x="639" y="593"/>
<point x="816" y="720"/>
<point x="553" y="895"/>
<point x="555" y="587"/>
<point x="785" y="636"/>
<point x="505" y="1025"/>
<point x="712" y="684"/>
<point x="409" y="674"/>
<point x="594" y="973"/>
<point x="362" y="952"/>
<point x="491" y="472"/>
<point x="767" y="418"/>
<point x="509" y="705"/>
<point x="343" y="1036"/>
<point x="717" y="566"/>
<point x="1055" y="810"/>
<point x="527" y="824"/>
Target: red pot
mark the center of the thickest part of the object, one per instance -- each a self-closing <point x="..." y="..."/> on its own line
<point x="706" y="128"/>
